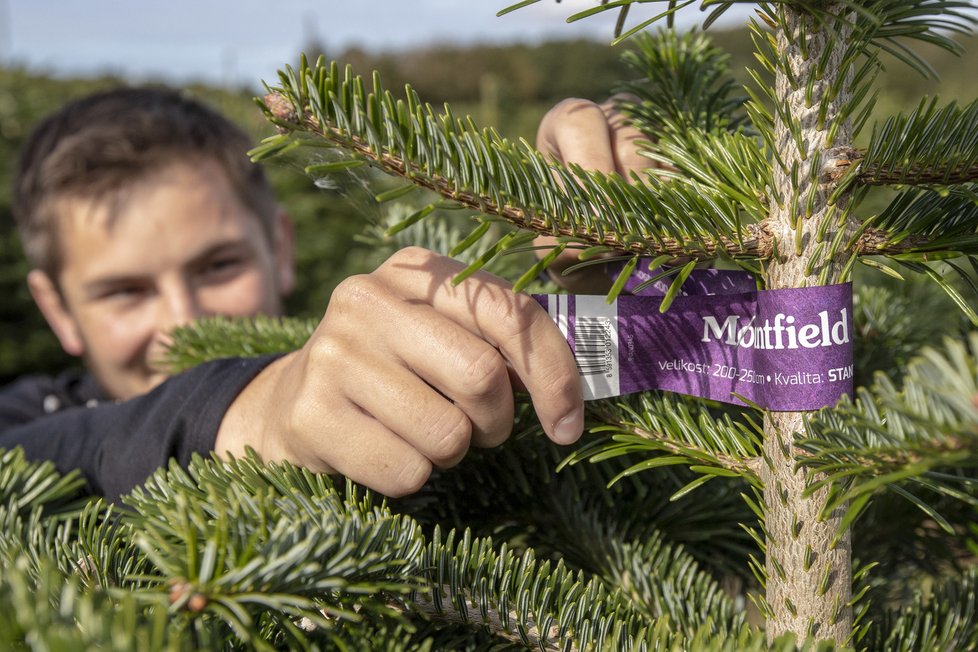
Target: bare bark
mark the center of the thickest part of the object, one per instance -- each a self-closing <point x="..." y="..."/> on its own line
<point x="809" y="576"/>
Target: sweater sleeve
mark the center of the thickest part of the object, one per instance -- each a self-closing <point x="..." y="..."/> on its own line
<point x="117" y="446"/>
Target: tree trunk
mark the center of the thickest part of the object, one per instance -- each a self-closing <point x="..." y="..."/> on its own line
<point x="809" y="575"/>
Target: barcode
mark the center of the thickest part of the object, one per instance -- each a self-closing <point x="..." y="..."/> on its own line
<point x="590" y="325"/>
<point x="593" y="346"/>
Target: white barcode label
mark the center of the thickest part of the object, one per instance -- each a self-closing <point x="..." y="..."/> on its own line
<point x="594" y="325"/>
<point x="593" y="345"/>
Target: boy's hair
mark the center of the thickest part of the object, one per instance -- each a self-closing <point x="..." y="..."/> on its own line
<point x="97" y="147"/>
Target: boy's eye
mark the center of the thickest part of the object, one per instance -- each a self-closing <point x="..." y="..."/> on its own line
<point x="220" y="266"/>
<point x="222" y="263"/>
<point x="123" y="292"/>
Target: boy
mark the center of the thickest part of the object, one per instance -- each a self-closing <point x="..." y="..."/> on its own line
<point x="139" y="212"/>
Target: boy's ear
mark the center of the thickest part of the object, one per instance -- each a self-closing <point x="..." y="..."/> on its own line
<point x="284" y="252"/>
<point x="52" y="305"/>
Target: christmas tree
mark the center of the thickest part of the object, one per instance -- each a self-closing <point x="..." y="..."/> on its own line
<point x="678" y="522"/>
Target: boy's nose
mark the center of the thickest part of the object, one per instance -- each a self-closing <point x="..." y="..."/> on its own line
<point x="180" y="306"/>
<point x="177" y="306"/>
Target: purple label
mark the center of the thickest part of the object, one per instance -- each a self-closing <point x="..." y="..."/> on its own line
<point x="785" y="350"/>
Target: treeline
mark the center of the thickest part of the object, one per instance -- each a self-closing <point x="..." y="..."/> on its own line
<point x="545" y="72"/>
<point x="550" y="71"/>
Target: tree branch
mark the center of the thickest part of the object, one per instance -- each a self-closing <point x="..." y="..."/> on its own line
<point x="915" y="175"/>
<point x="757" y="241"/>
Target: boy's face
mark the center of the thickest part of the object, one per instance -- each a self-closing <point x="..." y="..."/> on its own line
<point x="180" y="246"/>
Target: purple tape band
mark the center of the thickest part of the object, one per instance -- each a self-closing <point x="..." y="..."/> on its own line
<point x="700" y="281"/>
<point x="785" y="350"/>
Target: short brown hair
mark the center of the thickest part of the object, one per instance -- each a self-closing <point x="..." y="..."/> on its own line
<point x="101" y="144"/>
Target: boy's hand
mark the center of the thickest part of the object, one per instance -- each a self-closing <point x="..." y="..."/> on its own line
<point x="596" y="137"/>
<point x="405" y="372"/>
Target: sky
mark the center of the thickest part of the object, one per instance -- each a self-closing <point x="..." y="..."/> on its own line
<point x="241" y="42"/>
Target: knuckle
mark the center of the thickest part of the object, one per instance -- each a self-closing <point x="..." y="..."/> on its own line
<point x="558" y="118"/>
<point x="328" y="361"/>
<point x="410" y="478"/>
<point x="563" y="395"/>
<point x="517" y="316"/>
<point x="485" y="375"/>
<point x="353" y="291"/>
<point x="298" y="420"/>
<point x="325" y="353"/>
<point x="573" y="105"/>
<point x="582" y="114"/>
<point x="562" y="391"/>
<point x="451" y="433"/>
<point x="559" y="378"/>
<point x="412" y="255"/>
<point x="499" y="432"/>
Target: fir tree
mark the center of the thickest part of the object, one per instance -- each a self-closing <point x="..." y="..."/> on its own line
<point x="855" y="525"/>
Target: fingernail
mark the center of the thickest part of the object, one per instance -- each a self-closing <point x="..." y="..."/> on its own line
<point x="569" y="429"/>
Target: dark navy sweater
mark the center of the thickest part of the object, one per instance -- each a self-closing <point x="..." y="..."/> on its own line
<point x="118" y="445"/>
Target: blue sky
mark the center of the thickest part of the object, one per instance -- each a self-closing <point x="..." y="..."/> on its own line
<point x="241" y="42"/>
